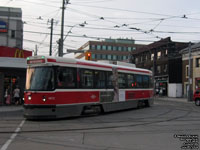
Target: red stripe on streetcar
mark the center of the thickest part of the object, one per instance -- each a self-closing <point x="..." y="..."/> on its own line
<point x="51" y="60"/>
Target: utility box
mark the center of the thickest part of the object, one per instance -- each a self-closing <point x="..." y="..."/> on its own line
<point x="174" y="90"/>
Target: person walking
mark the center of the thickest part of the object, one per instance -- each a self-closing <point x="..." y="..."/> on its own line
<point x="7" y="96"/>
<point x="16" y="93"/>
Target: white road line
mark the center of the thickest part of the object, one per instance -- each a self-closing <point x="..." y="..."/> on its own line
<point x="12" y="137"/>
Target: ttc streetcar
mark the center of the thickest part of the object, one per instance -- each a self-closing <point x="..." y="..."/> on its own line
<point x="64" y="87"/>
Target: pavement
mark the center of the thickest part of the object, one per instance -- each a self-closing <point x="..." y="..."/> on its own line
<point x="175" y="99"/>
<point x="9" y="108"/>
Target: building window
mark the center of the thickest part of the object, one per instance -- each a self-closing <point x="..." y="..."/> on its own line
<point x="109" y="48"/>
<point x="158" y="55"/>
<point x="124" y="57"/>
<point x="114" y="57"/>
<point x="12" y="33"/>
<point x="109" y="57"/>
<point x="93" y="47"/>
<point x="166" y="52"/>
<point x="158" y="69"/>
<point x="124" y="49"/>
<point x="104" y="47"/>
<point x="103" y="56"/>
<point x="93" y="56"/>
<point x="114" y="48"/>
<point x="197" y="62"/>
<point x="152" y="56"/>
<point x="98" y="56"/>
<point x="129" y="49"/>
<point x="187" y="71"/>
<point x="119" y="48"/>
<point x="136" y="60"/>
<point x="165" y="68"/>
<point x="98" y="47"/>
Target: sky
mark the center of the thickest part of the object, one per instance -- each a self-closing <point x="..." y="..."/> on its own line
<point x="145" y="21"/>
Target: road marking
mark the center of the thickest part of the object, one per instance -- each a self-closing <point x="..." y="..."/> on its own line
<point x="12" y="137"/>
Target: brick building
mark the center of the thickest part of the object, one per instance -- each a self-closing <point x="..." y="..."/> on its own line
<point x="110" y="49"/>
<point x="195" y="67"/>
<point x="164" y="59"/>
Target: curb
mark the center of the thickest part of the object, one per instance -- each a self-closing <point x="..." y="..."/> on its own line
<point x="10" y="108"/>
<point x="180" y="100"/>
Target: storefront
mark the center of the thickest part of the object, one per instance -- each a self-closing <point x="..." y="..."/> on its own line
<point x="161" y="86"/>
<point x="12" y="71"/>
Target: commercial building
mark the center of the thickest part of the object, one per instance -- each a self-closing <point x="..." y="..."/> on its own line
<point x="109" y="49"/>
<point x="11" y="27"/>
<point x="12" y="70"/>
<point x="165" y="61"/>
<point x="194" y="68"/>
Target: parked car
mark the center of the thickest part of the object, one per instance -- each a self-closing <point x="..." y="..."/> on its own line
<point x="196" y="97"/>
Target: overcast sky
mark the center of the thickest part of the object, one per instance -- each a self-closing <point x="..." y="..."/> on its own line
<point x="145" y="21"/>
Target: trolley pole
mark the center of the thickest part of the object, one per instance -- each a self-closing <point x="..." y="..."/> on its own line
<point x="189" y="75"/>
<point x="51" y="37"/>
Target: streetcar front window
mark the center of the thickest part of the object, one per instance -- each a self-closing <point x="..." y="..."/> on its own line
<point x="40" y="78"/>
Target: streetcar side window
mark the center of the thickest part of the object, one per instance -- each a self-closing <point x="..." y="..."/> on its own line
<point x="99" y="79"/>
<point x="131" y="81"/>
<point x="109" y="79"/>
<point x="146" y="81"/>
<point x="122" y="80"/>
<point x="66" y="77"/>
<point x="86" y="78"/>
<point x="139" y="83"/>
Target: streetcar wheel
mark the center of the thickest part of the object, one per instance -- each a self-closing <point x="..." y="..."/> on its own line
<point x="197" y="102"/>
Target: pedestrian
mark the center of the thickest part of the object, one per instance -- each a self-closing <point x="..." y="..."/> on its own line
<point x="16" y="93"/>
<point x="7" y="95"/>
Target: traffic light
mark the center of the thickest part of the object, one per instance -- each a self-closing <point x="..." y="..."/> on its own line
<point x="88" y="56"/>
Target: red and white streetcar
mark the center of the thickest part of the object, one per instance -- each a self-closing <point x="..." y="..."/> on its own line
<point x="63" y="87"/>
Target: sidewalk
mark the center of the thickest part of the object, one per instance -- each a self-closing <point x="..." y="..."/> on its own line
<point x="11" y="108"/>
<point x="164" y="98"/>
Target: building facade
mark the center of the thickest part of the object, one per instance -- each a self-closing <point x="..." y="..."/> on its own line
<point x="11" y="27"/>
<point x="194" y="68"/>
<point x="164" y="59"/>
<point x="12" y="70"/>
<point x="110" y="49"/>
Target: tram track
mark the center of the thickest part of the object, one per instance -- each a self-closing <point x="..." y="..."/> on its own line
<point x="131" y="122"/>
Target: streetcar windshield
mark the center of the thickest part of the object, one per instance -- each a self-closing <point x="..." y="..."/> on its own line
<point x="40" y="78"/>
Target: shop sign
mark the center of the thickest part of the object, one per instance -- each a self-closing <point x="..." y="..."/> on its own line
<point x="3" y="27"/>
<point x="19" y="53"/>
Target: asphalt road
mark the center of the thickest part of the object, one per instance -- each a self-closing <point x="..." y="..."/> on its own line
<point x="166" y="125"/>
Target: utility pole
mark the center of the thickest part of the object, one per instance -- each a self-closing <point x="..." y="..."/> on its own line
<point x="36" y="50"/>
<point x="189" y="75"/>
<point x="60" y="50"/>
<point x="51" y="37"/>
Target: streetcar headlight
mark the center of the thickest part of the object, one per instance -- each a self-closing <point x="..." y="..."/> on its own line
<point x="44" y="98"/>
<point x="29" y="98"/>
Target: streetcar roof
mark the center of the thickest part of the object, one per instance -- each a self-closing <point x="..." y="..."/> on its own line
<point x="38" y="61"/>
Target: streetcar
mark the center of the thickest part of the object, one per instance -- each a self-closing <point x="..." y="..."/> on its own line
<point x="59" y="87"/>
